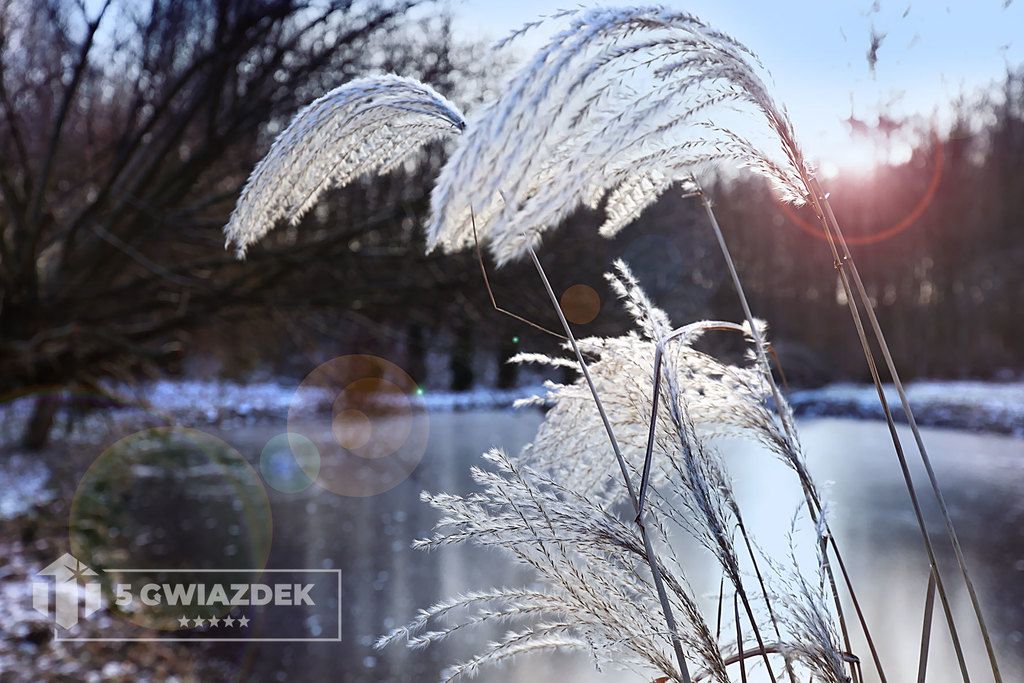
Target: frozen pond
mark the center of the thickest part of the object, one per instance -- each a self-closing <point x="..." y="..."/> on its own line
<point x="384" y="582"/>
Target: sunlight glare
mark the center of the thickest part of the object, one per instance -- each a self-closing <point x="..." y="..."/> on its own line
<point x="859" y="159"/>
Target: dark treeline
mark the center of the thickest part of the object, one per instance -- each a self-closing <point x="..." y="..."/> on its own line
<point x="127" y="130"/>
<point x="938" y="242"/>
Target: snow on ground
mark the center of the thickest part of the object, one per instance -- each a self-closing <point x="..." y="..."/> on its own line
<point x="983" y="406"/>
<point x="971" y="405"/>
<point x="976" y="406"/>
<point x="25" y="484"/>
<point x="29" y="653"/>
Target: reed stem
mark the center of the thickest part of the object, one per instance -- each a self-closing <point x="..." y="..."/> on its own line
<point x="739" y="640"/>
<point x="645" y="483"/>
<point x="932" y="479"/>
<point x="757" y="629"/>
<point x="926" y="630"/>
<point x="851" y="301"/>
<point x="809" y="492"/>
<point x="652" y="559"/>
<point x="764" y="591"/>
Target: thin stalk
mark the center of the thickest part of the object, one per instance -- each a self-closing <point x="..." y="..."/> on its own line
<point x="739" y="640"/>
<point x="721" y="594"/>
<point x="645" y="484"/>
<point x="787" y="426"/>
<point x="853" y="595"/>
<point x="757" y="630"/>
<point x="932" y="479"/>
<point x="652" y="559"/>
<point x="764" y="590"/>
<point x="873" y="369"/>
<point x="926" y="629"/>
<point x="490" y="292"/>
<point x="659" y="352"/>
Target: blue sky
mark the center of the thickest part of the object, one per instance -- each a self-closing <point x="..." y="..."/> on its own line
<point x="816" y="52"/>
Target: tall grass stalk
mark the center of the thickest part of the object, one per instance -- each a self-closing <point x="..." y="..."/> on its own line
<point x="652" y="559"/>
<point x="926" y="630"/>
<point x="702" y="474"/>
<point x="685" y="428"/>
<point x="739" y="639"/>
<point x="814" y="504"/>
<point x="841" y="262"/>
<point x="572" y="538"/>
<point x="847" y="258"/>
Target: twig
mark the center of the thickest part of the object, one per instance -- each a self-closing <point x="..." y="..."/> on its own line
<point x="490" y="292"/>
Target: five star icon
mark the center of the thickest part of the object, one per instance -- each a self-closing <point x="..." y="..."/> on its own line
<point x="199" y="622"/>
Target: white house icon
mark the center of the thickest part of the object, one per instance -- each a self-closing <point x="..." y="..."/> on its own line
<point x="67" y="572"/>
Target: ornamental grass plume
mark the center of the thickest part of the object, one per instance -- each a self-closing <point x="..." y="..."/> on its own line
<point x="628" y="101"/>
<point x="596" y="593"/>
<point x="721" y="399"/>
<point x="368" y="125"/>
<point x="616" y="107"/>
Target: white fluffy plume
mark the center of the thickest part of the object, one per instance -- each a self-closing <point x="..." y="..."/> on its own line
<point x="595" y="593"/>
<point x="368" y="125"/>
<point x="552" y="510"/>
<point x="721" y="399"/>
<point x="621" y="101"/>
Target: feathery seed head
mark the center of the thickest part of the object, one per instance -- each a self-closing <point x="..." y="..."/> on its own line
<point x="612" y="104"/>
<point x="368" y="125"/>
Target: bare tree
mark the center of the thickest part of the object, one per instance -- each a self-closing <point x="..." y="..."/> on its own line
<point x="126" y="131"/>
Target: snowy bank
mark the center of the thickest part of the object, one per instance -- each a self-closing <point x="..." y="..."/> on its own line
<point x="971" y="405"/>
<point x="976" y="406"/>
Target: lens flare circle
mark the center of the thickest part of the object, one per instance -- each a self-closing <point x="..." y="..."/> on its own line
<point x="580" y="303"/>
<point x="352" y="428"/>
<point x="371" y="427"/>
<point x="290" y="463"/>
<point x="170" y="498"/>
<point x="894" y="229"/>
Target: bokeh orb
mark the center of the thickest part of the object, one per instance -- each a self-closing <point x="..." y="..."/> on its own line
<point x="290" y="463"/>
<point x="176" y="499"/>
<point x="352" y="428"/>
<point x="366" y="417"/>
<point x="580" y="304"/>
